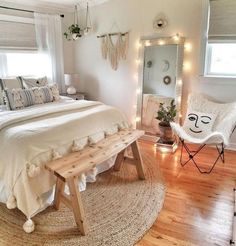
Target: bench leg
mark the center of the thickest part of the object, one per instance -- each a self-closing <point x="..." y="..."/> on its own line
<point x="60" y="187"/>
<point x="138" y="160"/>
<point x="77" y="205"/>
<point x="119" y="160"/>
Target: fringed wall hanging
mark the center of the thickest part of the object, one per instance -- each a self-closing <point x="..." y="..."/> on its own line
<point x="117" y="51"/>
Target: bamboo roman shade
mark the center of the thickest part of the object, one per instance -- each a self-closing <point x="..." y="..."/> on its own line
<point x="17" y="32"/>
<point x="222" y="23"/>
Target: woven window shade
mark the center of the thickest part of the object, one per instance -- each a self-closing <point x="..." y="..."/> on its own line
<point x="222" y="24"/>
<point x="17" y="35"/>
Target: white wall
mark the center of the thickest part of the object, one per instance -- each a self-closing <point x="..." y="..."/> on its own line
<point x="118" y="88"/>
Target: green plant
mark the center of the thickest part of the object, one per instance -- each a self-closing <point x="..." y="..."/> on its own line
<point x="166" y="114"/>
<point x="73" y="29"/>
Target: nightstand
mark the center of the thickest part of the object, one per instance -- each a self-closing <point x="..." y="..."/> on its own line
<point x="77" y="96"/>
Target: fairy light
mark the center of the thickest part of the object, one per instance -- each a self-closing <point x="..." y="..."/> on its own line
<point x="176" y="37"/>
<point x="187" y="66"/>
<point x="137" y="119"/>
<point x="188" y="47"/>
<point x="138" y="91"/>
<point x="161" y="42"/>
<point x="138" y="61"/>
<point x="180" y="82"/>
<point x="147" y="43"/>
<point x="179" y="99"/>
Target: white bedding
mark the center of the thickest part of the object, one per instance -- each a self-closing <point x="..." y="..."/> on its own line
<point x="33" y="136"/>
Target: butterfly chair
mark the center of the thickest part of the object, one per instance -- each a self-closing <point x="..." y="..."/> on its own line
<point x="206" y="123"/>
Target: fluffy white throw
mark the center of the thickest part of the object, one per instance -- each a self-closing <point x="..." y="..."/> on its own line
<point x="31" y="137"/>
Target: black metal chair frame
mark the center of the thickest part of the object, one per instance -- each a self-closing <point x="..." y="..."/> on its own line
<point x="192" y="153"/>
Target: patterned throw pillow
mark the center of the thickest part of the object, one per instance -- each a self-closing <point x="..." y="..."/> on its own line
<point x="55" y="92"/>
<point x="46" y="94"/>
<point x="20" y="98"/>
<point x="198" y="124"/>
<point x="13" y="99"/>
<point x="33" y="82"/>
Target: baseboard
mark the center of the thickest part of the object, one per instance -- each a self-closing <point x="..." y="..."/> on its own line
<point x="231" y="146"/>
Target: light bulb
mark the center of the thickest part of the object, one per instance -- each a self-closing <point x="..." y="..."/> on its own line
<point x="176" y="37"/>
<point x="147" y="43"/>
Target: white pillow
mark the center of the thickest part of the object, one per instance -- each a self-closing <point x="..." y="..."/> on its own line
<point x="29" y="82"/>
<point x="198" y="124"/>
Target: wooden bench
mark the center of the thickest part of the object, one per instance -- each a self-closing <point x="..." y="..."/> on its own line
<point x="70" y="167"/>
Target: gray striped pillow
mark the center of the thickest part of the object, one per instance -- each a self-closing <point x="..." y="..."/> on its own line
<point x="28" y="97"/>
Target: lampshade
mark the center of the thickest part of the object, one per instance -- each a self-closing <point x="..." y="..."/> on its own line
<point x="68" y="79"/>
<point x="71" y="78"/>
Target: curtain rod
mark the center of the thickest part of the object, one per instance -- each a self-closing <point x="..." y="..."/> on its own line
<point x="23" y="10"/>
<point x="112" y="34"/>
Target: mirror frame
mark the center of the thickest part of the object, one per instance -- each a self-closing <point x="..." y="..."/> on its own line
<point x="146" y="42"/>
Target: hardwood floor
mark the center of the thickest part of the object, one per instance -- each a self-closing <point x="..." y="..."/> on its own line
<point x="198" y="208"/>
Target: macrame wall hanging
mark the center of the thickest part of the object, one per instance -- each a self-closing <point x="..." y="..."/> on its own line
<point x="114" y="51"/>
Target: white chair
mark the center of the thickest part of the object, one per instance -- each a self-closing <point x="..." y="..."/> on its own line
<point x="206" y="123"/>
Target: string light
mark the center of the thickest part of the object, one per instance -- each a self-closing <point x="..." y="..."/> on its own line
<point x="180" y="82"/>
<point x="176" y="37"/>
<point x="187" y="66"/>
<point x="138" y="61"/>
<point x="137" y="119"/>
<point x="188" y="46"/>
<point x="138" y="91"/>
<point x="161" y="42"/>
<point x="138" y="45"/>
<point x="147" y="43"/>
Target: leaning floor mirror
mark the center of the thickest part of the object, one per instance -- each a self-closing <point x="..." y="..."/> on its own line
<point x="160" y="81"/>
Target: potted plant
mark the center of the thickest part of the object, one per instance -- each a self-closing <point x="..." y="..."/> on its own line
<point x="166" y="115"/>
<point x="74" y="31"/>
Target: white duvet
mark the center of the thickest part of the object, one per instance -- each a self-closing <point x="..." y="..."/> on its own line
<point x="34" y="136"/>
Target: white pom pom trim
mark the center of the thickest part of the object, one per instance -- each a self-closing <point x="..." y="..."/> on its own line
<point x="56" y="155"/>
<point x="33" y="171"/>
<point x="11" y="202"/>
<point x="76" y="147"/>
<point x="29" y="226"/>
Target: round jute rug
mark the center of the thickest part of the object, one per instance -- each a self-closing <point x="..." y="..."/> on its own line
<point x="119" y="210"/>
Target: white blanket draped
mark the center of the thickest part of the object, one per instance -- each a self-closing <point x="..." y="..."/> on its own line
<point x="32" y="137"/>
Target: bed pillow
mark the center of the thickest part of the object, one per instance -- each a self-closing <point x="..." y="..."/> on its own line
<point x="46" y="94"/>
<point x="13" y="99"/>
<point x="8" y="83"/>
<point x="29" y="82"/>
<point x="55" y="92"/>
<point x="198" y="124"/>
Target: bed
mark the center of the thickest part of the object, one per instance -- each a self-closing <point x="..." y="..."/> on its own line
<point x="33" y="136"/>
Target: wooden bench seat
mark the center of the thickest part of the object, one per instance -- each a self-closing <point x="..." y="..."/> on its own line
<point x="67" y="169"/>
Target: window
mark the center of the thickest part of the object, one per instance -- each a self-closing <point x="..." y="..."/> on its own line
<point x="31" y="64"/>
<point x="25" y="64"/>
<point x="221" y="59"/>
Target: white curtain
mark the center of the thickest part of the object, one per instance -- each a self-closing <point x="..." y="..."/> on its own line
<point x="3" y="65"/>
<point x="49" y="41"/>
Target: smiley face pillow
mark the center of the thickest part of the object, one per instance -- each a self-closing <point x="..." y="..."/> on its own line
<point x="198" y="124"/>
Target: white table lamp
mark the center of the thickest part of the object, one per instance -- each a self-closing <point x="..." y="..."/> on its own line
<point x="69" y="79"/>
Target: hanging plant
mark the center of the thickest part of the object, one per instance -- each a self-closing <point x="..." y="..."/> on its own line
<point x="74" y="32"/>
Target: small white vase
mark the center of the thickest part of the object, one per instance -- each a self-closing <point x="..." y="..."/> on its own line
<point x="71" y="90"/>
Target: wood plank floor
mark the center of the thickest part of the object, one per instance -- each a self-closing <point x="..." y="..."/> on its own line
<point x="198" y="208"/>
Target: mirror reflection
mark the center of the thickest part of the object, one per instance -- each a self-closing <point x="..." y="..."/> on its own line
<point x="159" y="83"/>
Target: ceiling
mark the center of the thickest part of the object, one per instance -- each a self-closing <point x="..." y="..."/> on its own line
<point x="67" y="5"/>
